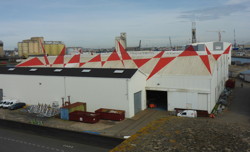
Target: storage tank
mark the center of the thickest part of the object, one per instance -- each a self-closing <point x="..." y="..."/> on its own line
<point x="31" y="47"/>
<point x="25" y="49"/>
<point x="20" y="49"/>
<point x="54" y="49"/>
<point x="36" y="48"/>
<point x="47" y="48"/>
<point x="60" y="47"/>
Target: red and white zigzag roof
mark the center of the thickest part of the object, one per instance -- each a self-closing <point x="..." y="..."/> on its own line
<point x="187" y="62"/>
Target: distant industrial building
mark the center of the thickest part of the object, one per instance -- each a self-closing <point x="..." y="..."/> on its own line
<point x="130" y="81"/>
<point x="34" y="46"/>
<point x="74" y="50"/>
<point x="1" y="49"/>
<point x="122" y="39"/>
<point x="245" y="75"/>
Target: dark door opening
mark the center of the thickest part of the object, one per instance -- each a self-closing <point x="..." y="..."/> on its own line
<point x="158" y="98"/>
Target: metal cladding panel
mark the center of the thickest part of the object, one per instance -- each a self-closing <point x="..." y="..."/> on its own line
<point x="93" y="65"/>
<point x="180" y="83"/>
<point x="50" y="58"/>
<point x="129" y="64"/>
<point x="183" y="100"/>
<point x="185" y="66"/>
<point x="33" y="89"/>
<point x="147" y="68"/>
<point x="137" y="84"/>
<point x="113" y="64"/>
<point x="99" y="92"/>
<point x="202" y="101"/>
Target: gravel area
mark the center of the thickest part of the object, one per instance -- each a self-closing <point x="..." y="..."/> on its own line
<point x="174" y="134"/>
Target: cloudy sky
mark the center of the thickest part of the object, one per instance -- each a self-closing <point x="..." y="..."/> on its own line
<point x="95" y="23"/>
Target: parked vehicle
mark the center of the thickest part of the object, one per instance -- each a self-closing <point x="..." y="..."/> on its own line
<point x="188" y="113"/>
<point x="17" y="106"/>
<point x="3" y="102"/>
<point x="9" y="103"/>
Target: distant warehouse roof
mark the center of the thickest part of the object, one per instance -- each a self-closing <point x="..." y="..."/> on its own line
<point x="246" y="72"/>
<point x="76" y="72"/>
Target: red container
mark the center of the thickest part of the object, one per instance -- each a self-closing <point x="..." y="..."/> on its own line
<point x="87" y="117"/>
<point x="90" y="117"/>
<point x="230" y="83"/>
<point x="111" y="114"/>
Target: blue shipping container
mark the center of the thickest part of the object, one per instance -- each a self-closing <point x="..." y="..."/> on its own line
<point x="64" y="113"/>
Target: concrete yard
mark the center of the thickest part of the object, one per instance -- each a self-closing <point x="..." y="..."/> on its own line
<point x="118" y="129"/>
<point x="229" y="131"/>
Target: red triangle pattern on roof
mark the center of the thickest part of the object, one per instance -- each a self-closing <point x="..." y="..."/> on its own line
<point x="59" y="60"/>
<point x="45" y="55"/>
<point x="189" y="52"/>
<point x="227" y="50"/>
<point x="161" y="64"/>
<point x="96" y="58"/>
<point x="32" y="62"/>
<point x="63" y="51"/>
<point x="159" y="55"/>
<point x="140" y="62"/>
<point x="44" y="52"/>
<point x="208" y="52"/>
<point x="205" y="60"/>
<point x="103" y="62"/>
<point x="124" y="53"/>
<point x="114" y="56"/>
<point x="81" y="64"/>
<point x="60" y="57"/>
<point x="216" y="56"/>
<point x="75" y="59"/>
<point x="46" y="59"/>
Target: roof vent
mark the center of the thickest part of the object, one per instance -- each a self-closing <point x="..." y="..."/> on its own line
<point x="33" y="70"/>
<point x="11" y="69"/>
<point x="58" y="70"/>
<point x="118" y="71"/>
<point x="86" y="70"/>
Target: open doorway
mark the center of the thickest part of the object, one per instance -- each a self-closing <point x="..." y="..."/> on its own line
<point x="158" y="98"/>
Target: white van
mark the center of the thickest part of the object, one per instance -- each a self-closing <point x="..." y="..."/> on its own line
<point x="9" y="103"/>
<point x="3" y="102"/>
<point x="188" y="113"/>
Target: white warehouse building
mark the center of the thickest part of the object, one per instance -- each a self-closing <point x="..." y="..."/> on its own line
<point x="189" y="79"/>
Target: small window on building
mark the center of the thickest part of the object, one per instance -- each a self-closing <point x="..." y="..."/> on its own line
<point x="33" y="70"/>
<point x="118" y="71"/>
<point x="184" y="113"/>
<point x="86" y="70"/>
<point x="11" y="69"/>
<point x="58" y="70"/>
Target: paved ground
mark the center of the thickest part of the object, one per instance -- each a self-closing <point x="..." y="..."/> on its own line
<point x="118" y="129"/>
<point x="131" y="126"/>
<point x="239" y="110"/>
<point x="18" y="141"/>
<point x="228" y="132"/>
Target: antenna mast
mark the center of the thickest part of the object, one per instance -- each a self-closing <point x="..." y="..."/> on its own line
<point x="235" y="45"/>
<point x="194" y="32"/>
<point x="219" y="34"/>
<point x="170" y="43"/>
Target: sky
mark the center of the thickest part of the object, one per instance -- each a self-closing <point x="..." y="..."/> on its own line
<point x="96" y="23"/>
